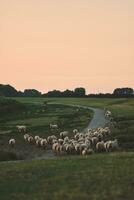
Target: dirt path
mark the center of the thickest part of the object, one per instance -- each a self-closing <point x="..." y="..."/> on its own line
<point x="98" y="119"/>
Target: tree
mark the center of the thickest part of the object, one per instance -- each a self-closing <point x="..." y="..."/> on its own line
<point x="31" y="93"/>
<point x="123" y="91"/>
<point x="8" y="91"/>
<point x="68" y="93"/>
<point x="80" y="92"/>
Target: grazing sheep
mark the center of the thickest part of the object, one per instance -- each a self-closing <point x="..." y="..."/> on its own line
<point x="12" y="142"/>
<point x="21" y="128"/>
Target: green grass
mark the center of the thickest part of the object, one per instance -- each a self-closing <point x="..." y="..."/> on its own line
<point x="37" y="119"/>
<point x="122" y="110"/>
<point x="95" y="177"/>
<point x="104" y="176"/>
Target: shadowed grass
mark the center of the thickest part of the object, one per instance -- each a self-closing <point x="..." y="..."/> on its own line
<point x="95" y="177"/>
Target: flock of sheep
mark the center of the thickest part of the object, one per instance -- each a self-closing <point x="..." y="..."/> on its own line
<point x="94" y="140"/>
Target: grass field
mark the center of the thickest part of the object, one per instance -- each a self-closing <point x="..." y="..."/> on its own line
<point x="96" y="177"/>
<point x="71" y="178"/>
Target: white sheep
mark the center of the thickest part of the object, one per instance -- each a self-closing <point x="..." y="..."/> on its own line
<point x="30" y="140"/>
<point x="26" y="136"/>
<point x="100" y="146"/>
<point x="53" y="126"/>
<point x="12" y="142"/>
<point x="21" y="128"/>
<point x="63" y="134"/>
<point x="36" y="137"/>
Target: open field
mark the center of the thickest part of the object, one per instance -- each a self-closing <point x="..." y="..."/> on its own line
<point x="98" y="176"/>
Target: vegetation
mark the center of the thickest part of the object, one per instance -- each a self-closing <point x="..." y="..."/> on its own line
<point x="9" y="91"/>
<point x="37" y="118"/>
<point x="122" y="109"/>
<point x="98" y="176"/>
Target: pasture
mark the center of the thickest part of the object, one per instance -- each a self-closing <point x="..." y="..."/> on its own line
<point x="37" y="118"/>
<point x="98" y="176"/>
<point x="122" y="110"/>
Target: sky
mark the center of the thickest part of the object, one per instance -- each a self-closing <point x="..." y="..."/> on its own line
<point x="60" y="44"/>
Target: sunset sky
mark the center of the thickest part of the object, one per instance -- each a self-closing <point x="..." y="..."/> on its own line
<point x="60" y="44"/>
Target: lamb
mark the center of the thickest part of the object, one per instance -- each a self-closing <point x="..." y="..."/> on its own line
<point x="21" y="128"/>
<point x="12" y="142"/>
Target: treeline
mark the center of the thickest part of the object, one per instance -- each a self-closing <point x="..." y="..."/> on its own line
<point x="9" y="91"/>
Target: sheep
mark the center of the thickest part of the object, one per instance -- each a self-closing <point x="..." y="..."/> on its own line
<point x="111" y="145"/>
<point x="26" y="136"/>
<point x="30" y="140"/>
<point x="51" y="138"/>
<point x="36" y="137"/>
<point x="54" y="147"/>
<point x="60" y="141"/>
<point x="12" y="142"/>
<point x="94" y="141"/>
<point x="108" y="114"/>
<point x="21" y="128"/>
<point x="75" y="131"/>
<point x="43" y="143"/>
<point x="87" y="151"/>
<point x="53" y="126"/>
<point x="63" y="134"/>
<point x="100" y="146"/>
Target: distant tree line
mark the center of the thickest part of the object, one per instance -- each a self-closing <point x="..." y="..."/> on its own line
<point x="9" y="91"/>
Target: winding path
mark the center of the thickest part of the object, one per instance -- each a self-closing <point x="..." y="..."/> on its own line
<point x="98" y="120"/>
